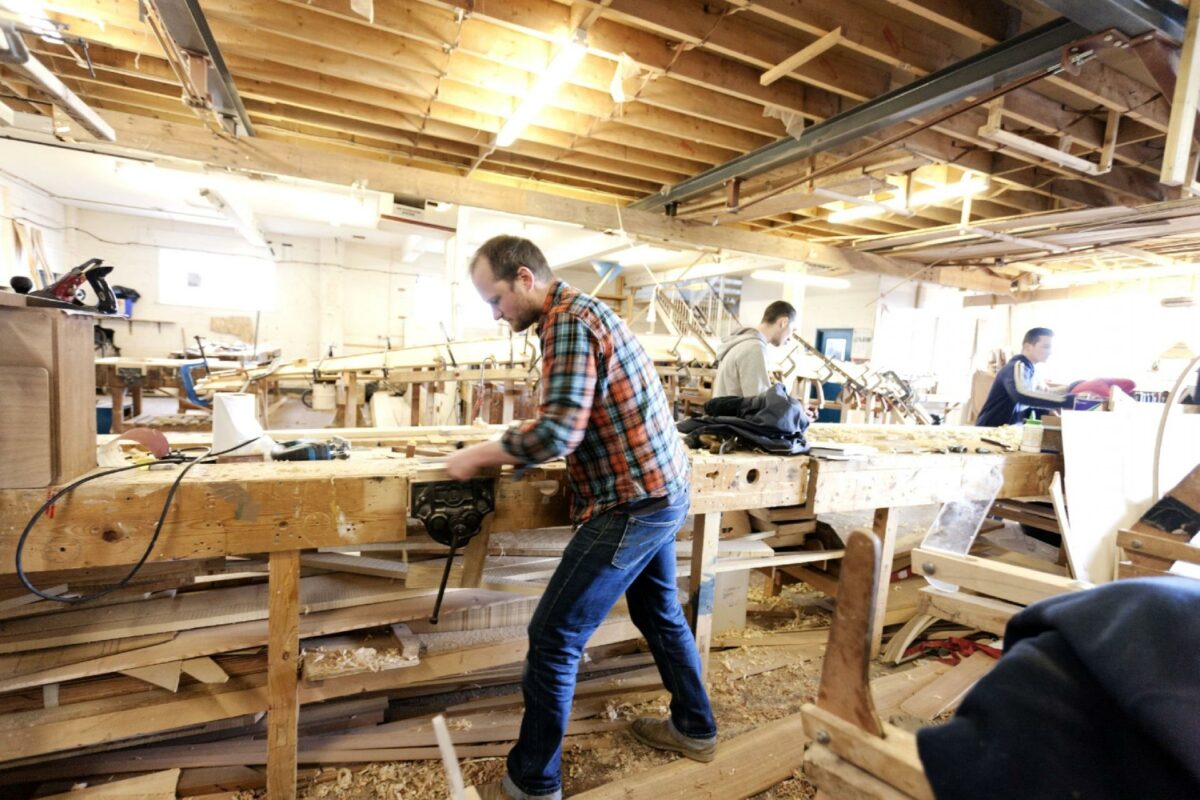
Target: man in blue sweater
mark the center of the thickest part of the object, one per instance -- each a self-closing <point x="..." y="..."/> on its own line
<point x="1014" y="392"/>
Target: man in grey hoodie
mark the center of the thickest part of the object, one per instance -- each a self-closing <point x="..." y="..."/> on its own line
<point x="742" y="357"/>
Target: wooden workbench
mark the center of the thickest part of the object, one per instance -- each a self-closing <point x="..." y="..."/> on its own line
<point x="118" y="375"/>
<point x="283" y="508"/>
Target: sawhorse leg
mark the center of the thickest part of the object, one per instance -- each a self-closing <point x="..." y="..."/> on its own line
<point x="283" y="707"/>
<point x="884" y="529"/>
<point x="475" y="554"/>
<point x="706" y="532"/>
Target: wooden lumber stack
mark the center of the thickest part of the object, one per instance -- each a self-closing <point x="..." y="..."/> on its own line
<point x="171" y="672"/>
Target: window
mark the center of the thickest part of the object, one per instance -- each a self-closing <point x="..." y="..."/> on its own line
<point x="216" y="280"/>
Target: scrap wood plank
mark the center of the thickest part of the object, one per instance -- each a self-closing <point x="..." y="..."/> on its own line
<point x="191" y="610"/>
<point x="228" y="638"/>
<point x="979" y="612"/>
<point x="26" y="734"/>
<point x="34" y="661"/>
<point x="889" y="691"/>
<point x="813" y="638"/>
<point x="155" y="786"/>
<point x="165" y="676"/>
<point x="946" y="691"/>
<point x="356" y="565"/>
<point x="743" y="767"/>
<point x="14" y="599"/>
<point x="608" y="685"/>
<point x="994" y="578"/>
<point x="205" y="670"/>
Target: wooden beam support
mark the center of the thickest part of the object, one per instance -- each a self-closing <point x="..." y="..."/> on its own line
<point x="1177" y="151"/>
<point x="995" y="578"/>
<point x="802" y="57"/>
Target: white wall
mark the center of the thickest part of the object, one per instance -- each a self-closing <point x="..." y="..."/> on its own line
<point x="131" y="244"/>
<point x="32" y="207"/>
<point x="856" y="307"/>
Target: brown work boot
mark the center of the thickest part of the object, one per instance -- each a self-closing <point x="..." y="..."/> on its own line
<point x="492" y="791"/>
<point x="662" y="734"/>
<point x="505" y="789"/>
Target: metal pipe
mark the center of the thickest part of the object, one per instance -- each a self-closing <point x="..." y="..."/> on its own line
<point x="1036" y="51"/>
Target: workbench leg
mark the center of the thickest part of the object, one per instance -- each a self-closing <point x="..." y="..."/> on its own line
<point x="885" y="530"/>
<point x="414" y="404"/>
<point x="706" y="532"/>
<point x="506" y="407"/>
<point x="352" y="400"/>
<point x="475" y="555"/>
<point x="283" y="706"/>
<point x="118" y="407"/>
<point x="137" y="401"/>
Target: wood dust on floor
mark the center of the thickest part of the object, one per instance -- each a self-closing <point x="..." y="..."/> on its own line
<point x="748" y="686"/>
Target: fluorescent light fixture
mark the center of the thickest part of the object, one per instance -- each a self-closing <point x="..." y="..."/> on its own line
<point x="241" y="217"/>
<point x="23" y="61"/>
<point x="556" y="72"/>
<point x="778" y="276"/>
<point x="951" y="191"/>
<point x="642" y="255"/>
<point x="966" y="187"/>
<point x="1065" y="279"/>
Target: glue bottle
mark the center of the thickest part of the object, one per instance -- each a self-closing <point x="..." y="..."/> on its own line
<point x="1031" y="435"/>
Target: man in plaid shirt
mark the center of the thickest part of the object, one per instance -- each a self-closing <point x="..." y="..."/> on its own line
<point x="604" y="410"/>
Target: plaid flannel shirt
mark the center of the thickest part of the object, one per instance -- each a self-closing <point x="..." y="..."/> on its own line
<point x="603" y="408"/>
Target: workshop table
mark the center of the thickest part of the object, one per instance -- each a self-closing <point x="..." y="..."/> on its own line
<point x="283" y="508"/>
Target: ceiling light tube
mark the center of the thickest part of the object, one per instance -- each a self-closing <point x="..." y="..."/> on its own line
<point x="556" y="72"/>
<point x="242" y="218"/>
<point x="49" y="83"/>
<point x="778" y="276"/>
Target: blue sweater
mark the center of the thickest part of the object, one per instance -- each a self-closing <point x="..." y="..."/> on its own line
<point x="1013" y="394"/>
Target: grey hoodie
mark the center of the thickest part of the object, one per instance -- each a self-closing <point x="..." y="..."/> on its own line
<point x="742" y="365"/>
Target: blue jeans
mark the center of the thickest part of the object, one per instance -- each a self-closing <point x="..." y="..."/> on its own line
<point x="613" y="553"/>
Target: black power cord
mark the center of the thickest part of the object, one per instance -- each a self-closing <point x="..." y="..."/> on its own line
<point x="176" y="457"/>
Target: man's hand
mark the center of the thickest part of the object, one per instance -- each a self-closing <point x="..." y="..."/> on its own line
<point x="464" y="464"/>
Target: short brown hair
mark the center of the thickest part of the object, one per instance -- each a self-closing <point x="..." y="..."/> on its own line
<point x="780" y="308"/>
<point x="507" y="254"/>
<point x="1033" y="335"/>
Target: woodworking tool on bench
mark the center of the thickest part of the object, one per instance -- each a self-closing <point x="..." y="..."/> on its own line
<point x="452" y="513"/>
<point x="308" y="450"/>
<point x="67" y="291"/>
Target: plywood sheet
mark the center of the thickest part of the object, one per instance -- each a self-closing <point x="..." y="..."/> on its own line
<point x="25" y="448"/>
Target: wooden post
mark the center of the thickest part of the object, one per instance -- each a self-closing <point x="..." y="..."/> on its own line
<point x="706" y="532"/>
<point x="351" y="399"/>
<point x="117" y="389"/>
<point x="884" y="529"/>
<point x="283" y="709"/>
<point x="414" y="404"/>
<point x="475" y="554"/>
<point x="1178" y="147"/>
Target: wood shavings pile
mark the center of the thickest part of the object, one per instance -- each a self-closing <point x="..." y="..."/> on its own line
<point x="321" y="662"/>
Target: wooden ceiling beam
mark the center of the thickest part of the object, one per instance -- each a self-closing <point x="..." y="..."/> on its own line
<point x="729" y="35"/>
<point x="653" y="53"/>
<point x="265" y="101"/>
